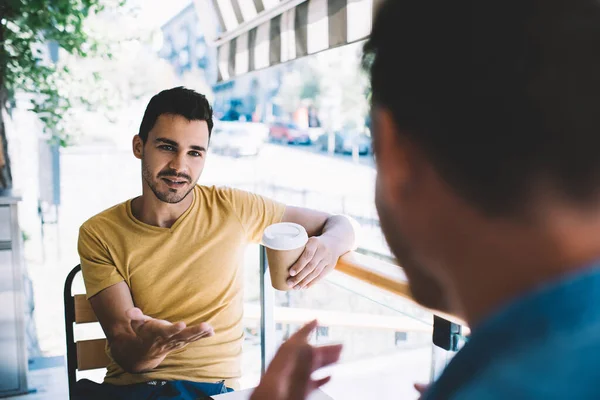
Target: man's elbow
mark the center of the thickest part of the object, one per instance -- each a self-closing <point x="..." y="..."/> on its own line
<point x="351" y="228"/>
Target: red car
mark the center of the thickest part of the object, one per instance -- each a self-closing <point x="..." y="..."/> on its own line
<point x="286" y="132"/>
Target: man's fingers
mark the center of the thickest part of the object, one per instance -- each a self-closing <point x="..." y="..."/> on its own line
<point x="320" y="382"/>
<point x="175" y="345"/>
<point x="300" y="380"/>
<point x="421" y="387"/>
<point x="200" y="329"/>
<point x="322" y="274"/>
<point x="326" y="355"/>
<point x="183" y="334"/>
<point x="301" y="263"/>
<point x="309" y="252"/>
<point x="314" y="274"/>
<point x="303" y="333"/>
<point x="167" y="334"/>
<point x="188" y="336"/>
<point x="199" y="336"/>
<point x="308" y="360"/>
<point x="310" y="266"/>
<point x="203" y="329"/>
<point x="307" y="270"/>
<point x="171" y="330"/>
<point x="295" y="362"/>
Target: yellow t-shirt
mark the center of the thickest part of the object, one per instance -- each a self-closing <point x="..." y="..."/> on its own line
<point x="190" y="272"/>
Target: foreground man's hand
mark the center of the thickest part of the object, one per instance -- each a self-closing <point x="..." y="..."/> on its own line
<point x="289" y="374"/>
<point x="158" y="337"/>
<point x="421" y="388"/>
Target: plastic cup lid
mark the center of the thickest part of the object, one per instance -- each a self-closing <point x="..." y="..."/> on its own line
<point x="284" y="236"/>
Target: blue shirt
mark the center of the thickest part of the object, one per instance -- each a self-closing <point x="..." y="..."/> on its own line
<point x="544" y="345"/>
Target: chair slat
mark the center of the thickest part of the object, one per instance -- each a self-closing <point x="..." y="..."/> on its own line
<point x="83" y="310"/>
<point x="91" y="354"/>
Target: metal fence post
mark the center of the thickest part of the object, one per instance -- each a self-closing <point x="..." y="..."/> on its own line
<point x="267" y="322"/>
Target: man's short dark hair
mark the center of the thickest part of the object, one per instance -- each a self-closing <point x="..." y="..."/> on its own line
<point x="501" y="94"/>
<point x="187" y="103"/>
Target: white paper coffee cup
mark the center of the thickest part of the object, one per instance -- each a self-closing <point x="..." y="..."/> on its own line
<point x="285" y="243"/>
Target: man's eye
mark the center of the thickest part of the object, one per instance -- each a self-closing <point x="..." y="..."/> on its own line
<point x="195" y="154"/>
<point x="167" y="147"/>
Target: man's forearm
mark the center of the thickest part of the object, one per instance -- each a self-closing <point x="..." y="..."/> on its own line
<point x="340" y="235"/>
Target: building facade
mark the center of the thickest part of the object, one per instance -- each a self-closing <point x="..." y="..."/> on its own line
<point x="186" y="49"/>
<point x="250" y="97"/>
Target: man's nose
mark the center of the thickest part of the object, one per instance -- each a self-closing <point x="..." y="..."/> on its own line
<point x="177" y="163"/>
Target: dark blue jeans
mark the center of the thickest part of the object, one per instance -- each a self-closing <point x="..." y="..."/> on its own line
<point x="153" y="390"/>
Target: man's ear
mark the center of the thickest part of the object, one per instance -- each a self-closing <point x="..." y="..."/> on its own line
<point x="392" y="153"/>
<point x="138" y="147"/>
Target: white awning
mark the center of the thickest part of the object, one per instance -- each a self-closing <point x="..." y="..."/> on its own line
<point x="256" y="34"/>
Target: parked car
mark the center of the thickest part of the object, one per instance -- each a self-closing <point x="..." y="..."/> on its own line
<point x="315" y="133"/>
<point x="345" y="142"/>
<point x="288" y="132"/>
<point x="237" y="139"/>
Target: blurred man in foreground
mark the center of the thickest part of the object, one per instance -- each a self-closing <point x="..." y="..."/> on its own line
<point x="487" y="136"/>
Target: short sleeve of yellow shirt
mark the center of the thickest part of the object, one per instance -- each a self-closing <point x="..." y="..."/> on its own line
<point x="97" y="266"/>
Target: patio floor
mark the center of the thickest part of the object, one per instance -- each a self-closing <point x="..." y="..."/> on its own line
<point x="47" y="384"/>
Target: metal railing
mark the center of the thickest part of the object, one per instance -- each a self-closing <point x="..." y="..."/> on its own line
<point x="446" y="337"/>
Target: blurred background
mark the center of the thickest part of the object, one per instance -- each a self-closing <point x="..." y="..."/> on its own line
<point x="75" y="77"/>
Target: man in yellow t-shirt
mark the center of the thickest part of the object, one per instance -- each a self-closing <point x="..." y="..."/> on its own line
<point x="163" y="270"/>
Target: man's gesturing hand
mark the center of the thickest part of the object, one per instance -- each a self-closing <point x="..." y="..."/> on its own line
<point x="289" y="374"/>
<point x="158" y="337"/>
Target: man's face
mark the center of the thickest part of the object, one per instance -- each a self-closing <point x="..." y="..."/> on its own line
<point x="406" y="212"/>
<point x="173" y="156"/>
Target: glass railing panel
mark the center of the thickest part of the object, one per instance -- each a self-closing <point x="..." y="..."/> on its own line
<point x="387" y="339"/>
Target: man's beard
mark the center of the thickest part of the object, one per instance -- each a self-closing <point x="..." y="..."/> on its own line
<point x="168" y="196"/>
<point x="424" y="288"/>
